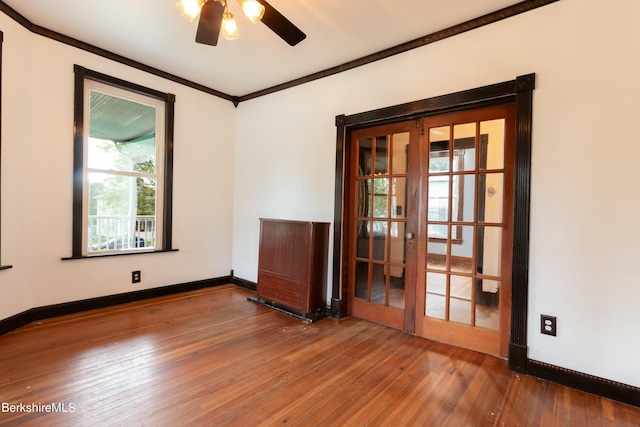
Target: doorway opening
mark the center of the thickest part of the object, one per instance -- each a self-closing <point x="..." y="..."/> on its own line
<point x="431" y="202"/>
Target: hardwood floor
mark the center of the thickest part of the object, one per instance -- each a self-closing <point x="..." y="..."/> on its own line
<point x="210" y="357"/>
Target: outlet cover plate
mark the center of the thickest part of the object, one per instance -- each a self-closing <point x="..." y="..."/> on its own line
<point x="548" y="325"/>
<point x="136" y="277"/>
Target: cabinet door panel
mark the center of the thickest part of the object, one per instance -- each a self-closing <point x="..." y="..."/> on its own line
<point x="282" y="289"/>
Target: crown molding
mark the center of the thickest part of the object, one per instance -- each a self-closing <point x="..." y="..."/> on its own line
<point x="490" y="18"/>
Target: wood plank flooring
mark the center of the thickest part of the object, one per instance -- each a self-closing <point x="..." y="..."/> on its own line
<point x="212" y="358"/>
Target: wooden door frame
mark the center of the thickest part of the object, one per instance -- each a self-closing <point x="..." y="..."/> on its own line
<point x="518" y="91"/>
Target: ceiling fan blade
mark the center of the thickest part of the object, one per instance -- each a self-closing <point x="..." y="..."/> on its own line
<point x="209" y="24"/>
<point x="281" y="25"/>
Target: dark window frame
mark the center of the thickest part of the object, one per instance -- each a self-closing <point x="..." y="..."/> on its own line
<point x="81" y="75"/>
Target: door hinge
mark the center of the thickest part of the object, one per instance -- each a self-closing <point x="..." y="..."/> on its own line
<point x="420" y="125"/>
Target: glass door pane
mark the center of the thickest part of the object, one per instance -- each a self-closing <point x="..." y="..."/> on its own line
<point x="380" y="222"/>
<point x="464" y="222"/>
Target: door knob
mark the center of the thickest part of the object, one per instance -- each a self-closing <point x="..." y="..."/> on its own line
<point x="409" y="235"/>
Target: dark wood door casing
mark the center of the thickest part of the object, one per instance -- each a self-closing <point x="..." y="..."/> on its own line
<point x="519" y="91"/>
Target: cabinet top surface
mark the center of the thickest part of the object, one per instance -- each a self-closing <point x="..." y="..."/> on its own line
<point x="290" y="221"/>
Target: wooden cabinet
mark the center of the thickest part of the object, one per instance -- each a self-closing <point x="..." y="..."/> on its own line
<point x="292" y="265"/>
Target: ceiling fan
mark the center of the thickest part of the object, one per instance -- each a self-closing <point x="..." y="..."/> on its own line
<point x="216" y="20"/>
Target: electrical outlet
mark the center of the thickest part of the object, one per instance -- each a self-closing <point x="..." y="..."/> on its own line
<point x="548" y="325"/>
<point x="135" y="276"/>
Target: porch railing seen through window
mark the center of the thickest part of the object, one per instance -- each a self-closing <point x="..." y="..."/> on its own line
<point x="121" y="232"/>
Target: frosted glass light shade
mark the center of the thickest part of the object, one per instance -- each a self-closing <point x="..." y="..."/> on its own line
<point x="229" y="29"/>
<point x="190" y="8"/>
<point x="252" y="9"/>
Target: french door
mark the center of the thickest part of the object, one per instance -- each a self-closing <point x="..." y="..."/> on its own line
<point x="431" y="227"/>
<point x="381" y="263"/>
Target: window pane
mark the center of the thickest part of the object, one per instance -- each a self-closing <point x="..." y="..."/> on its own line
<point x="439" y="160"/>
<point x="362" y="280"/>
<point x="457" y="184"/>
<point x="379" y="275"/>
<point x="398" y="197"/>
<point x="121" y="134"/>
<point x="362" y="237"/>
<point x="364" y="197"/>
<point x="464" y="135"/>
<point x="380" y="197"/>
<point x="460" y="287"/>
<point x="397" y="242"/>
<point x="490" y="197"/>
<point x="122" y="212"/>
<point x="109" y="194"/>
<point x="396" y="288"/>
<point x="437" y="251"/>
<point x="382" y="155"/>
<point x="462" y="253"/>
<point x="464" y="143"/>
<point x="492" y="144"/>
<point x="439" y="149"/>
<point x="460" y="311"/>
<point x="400" y="153"/>
<point x="364" y="157"/>
<point x="487" y="304"/>
<point x="436" y="283"/>
<point x="435" y="304"/>
<point x="438" y="203"/>
<point x="137" y="156"/>
<point x="489" y="251"/>
<point x="380" y="240"/>
<point x="463" y="197"/>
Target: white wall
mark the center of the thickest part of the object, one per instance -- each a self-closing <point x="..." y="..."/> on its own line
<point x="37" y="144"/>
<point x="584" y="238"/>
<point x="15" y="284"/>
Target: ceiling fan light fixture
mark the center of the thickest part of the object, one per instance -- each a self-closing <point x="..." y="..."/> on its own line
<point x="229" y="29"/>
<point x="190" y="8"/>
<point x="217" y="21"/>
<point x="252" y="9"/>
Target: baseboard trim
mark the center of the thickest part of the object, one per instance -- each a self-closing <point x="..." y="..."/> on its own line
<point x="247" y="284"/>
<point x="588" y="383"/>
<point x="16" y="321"/>
<point x="336" y="308"/>
<point x="518" y="358"/>
<point x="39" y="313"/>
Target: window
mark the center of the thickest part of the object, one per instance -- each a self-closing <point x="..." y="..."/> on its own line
<point x="123" y="167"/>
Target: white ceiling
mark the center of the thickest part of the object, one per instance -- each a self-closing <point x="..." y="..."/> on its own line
<point x="154" y="33"/>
